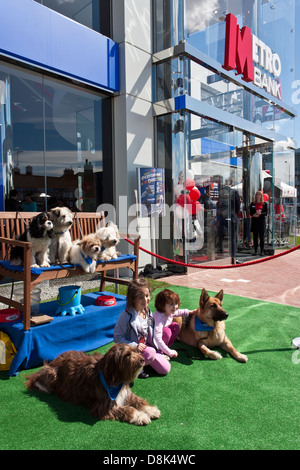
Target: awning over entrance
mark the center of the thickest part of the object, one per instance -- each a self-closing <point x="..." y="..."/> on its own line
<point x="286" y="190"/>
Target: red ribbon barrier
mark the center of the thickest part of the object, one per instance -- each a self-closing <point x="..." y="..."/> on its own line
<point x="249" y="263"/>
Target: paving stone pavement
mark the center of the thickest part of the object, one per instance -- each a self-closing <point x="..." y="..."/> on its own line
<point x="276" y="280"/>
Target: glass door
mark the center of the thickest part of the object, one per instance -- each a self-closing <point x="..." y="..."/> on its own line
<point x="257" y="170"/>
<point x="212" y="174"/>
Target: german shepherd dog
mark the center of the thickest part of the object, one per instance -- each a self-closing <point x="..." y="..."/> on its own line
<point x="206" y="328"/>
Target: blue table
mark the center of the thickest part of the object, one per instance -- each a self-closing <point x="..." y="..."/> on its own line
<point x="82" y="332"/>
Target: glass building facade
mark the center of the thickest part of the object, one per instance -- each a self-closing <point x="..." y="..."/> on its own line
<point x="93" y="90"/>
<point x="52" y="126"/>
<point x="221" y="131"/>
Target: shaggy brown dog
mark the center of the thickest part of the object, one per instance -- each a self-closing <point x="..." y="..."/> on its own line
<point x="206" y="328"/>
<point x="100" y="382"/>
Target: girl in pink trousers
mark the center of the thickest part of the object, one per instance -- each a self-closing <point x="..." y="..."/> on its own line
<point x="166" y="330"/>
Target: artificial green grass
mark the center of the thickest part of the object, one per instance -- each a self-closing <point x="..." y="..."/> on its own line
<point x="204" y="404"/>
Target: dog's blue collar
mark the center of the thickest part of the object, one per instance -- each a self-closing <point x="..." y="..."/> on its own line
<point x="87" y="259"/>
<point x="113" y="392"/>
<point x="201" y="326"/>
<point x="58" y="234"/>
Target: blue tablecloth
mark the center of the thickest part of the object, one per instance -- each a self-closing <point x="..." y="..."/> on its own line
<point x="82" y="332"/>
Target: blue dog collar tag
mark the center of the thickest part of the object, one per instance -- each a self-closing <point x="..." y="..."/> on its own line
<point x="113" y="392"/>
<point x="87" y="259"/>
<point x="201" y="326"/>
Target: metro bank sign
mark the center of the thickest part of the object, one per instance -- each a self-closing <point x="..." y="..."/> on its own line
<point x="243" y="50"/>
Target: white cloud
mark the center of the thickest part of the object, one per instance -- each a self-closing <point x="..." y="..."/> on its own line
<point x="199" y="13"/>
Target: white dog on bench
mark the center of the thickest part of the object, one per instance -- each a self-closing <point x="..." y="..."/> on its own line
<point x="109" y="237"/>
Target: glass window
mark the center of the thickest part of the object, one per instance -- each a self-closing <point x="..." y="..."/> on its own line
<point x="182" y="75"/>
<point x="201" y="23"/>
<point x="94" y="14"/>
<point x="198" y="155"/>
<point x="168" y="23"/>
<point x="269" y="20"/>
<point x="52" y="141"/>
<point x="212" y="176"/>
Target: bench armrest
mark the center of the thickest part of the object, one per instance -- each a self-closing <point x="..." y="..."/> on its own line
<point x="13" y="242"/>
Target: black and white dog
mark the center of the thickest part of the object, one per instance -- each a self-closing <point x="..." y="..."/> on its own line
<point x="39" y="234"/>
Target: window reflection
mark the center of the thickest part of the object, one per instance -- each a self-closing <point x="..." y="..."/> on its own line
<point x="52" y="141"/>
<point x="182" y="75"/>
<point x="204" y="28"/>
<point x="94" y="14"/>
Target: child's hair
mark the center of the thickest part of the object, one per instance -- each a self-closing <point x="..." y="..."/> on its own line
<point x="133" y="288"/>
<point x="164" y="297"/>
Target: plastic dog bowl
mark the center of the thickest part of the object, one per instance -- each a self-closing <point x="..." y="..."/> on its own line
<point x="9" y="314"/>
<point x="106" y="301"/>
<point x="296" y="343"/>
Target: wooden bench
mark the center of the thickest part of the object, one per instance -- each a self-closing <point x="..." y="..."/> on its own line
<point x="13" y="224"/>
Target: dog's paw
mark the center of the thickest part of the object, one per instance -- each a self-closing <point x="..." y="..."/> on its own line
<point x="45" y="265"/>
<point x="152" y="411"/>
<point x="140" y="418"/>
<point x="105" y="258"/>
<point x="214" y="355"/>
<point x="242" y="358"/>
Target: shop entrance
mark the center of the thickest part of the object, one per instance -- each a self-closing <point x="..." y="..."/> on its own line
<point x="227" y="167"/>
<point x="257" y="170"/>
<point x="227" y="178"/>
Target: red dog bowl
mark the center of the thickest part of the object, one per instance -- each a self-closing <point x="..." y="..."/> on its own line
<point x="106" y="301"/>
<point x="9" y="314"/>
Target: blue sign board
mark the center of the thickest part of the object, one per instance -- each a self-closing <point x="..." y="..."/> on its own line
<point x="37" y="35"/>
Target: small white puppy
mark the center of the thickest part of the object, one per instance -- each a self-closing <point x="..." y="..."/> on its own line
<point x="62" y="219"/>
<point x="85" y="252"/>
<point x="109" y="237"/>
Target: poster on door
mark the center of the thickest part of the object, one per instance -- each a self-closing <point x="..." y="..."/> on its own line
<point x="151" y="184"/>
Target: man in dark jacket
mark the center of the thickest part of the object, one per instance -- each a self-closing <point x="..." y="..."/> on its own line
<point x="12" y="203"/>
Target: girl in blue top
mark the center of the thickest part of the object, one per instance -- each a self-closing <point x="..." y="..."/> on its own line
<point x="135" y="327"/>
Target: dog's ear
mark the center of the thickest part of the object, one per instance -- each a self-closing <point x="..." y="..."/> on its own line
<point x="203" y="298"/>
<point x="220" y="295"/>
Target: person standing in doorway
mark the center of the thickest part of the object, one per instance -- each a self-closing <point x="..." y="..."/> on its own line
<point x="258" y="212"/>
